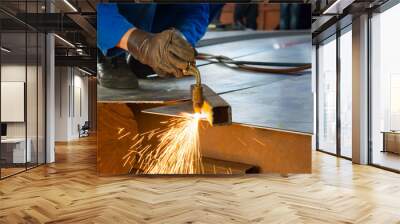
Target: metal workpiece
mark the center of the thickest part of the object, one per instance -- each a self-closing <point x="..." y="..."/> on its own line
<point x="214" y="107"/>
<point x="276" y="101"/>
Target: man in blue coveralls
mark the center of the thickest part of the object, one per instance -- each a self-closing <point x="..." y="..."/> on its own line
<point x="159" y="37"/>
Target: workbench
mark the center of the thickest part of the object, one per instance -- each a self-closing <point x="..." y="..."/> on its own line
<point x="275" y="107"/>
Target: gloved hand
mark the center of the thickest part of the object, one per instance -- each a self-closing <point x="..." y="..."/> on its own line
<point x="168" y="53"/>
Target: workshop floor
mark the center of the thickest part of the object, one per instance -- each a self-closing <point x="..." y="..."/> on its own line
<point x="69" y="191"/>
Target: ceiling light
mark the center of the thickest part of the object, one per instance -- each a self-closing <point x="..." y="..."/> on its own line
<point x="84" y="71"/>
<point x="5" y="50"/>
<point x="64" y="40"/>
<point x="338" y="6"/>
<point x="70" y="5"/>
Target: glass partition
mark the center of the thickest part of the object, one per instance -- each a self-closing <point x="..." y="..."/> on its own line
<point x="14" y="145"/>
<point x="346" y="93"/>
<point x="22" y="88"/>
<point x="385" y="89"/>
<point x="327" y="96"/>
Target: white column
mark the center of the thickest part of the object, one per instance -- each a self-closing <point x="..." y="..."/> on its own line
<point x="360" y="90"/>
<point x="50" y="100"/>
<point x="314" y="91"/>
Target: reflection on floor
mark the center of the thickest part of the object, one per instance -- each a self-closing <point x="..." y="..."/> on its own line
<point x="387" y="159"/>
<point x="10" y="171"/>
<point x="13" y="169"/>
<point x="69" y="191"/>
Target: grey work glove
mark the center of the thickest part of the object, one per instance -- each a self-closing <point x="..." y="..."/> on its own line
<point x="168" y="53"/>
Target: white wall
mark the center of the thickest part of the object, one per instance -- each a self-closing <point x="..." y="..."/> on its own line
<point x="33" y="127"/>
<point x="62" y="81"/>
<point x="71" y="94"/>
<point x="12" y="73"/>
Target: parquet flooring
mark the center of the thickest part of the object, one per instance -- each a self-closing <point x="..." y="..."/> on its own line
<point x="69" y="191"/>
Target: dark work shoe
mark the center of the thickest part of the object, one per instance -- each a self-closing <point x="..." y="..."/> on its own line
<point x="116" y="73"/>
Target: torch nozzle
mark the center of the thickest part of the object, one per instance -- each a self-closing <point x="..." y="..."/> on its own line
<point x="197" y="98"/>
<point x="197" y="90"/>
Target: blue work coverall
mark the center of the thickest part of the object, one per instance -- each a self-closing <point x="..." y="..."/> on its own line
<point x="113" y="20"/>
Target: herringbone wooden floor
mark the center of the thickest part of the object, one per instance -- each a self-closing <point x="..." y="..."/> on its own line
<point x="69" y="191"/>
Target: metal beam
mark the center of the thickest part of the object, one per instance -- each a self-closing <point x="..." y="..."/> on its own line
<point x="86" y="26"/>
<point x="44" y="22"/>
<point x="82" y="61"/>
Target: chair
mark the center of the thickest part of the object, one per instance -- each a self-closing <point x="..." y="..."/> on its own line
<point x="84" y="130"/>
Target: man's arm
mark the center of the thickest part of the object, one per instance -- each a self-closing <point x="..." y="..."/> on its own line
<point x="192" y="20"/>
<point x="112" y="29"/>
<point x="123" y="42"/>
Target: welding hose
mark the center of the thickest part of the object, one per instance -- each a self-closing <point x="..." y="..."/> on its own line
<point x="290" y="68"/>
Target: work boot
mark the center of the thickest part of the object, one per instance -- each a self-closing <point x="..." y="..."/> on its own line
<point x="116" y="73"/>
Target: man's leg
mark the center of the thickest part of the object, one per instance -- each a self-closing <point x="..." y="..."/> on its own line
<point x="115" y="73"/>
<point x="251" y="16"/>
<point x="285" y="16"/>
<point x="239" y="14"/>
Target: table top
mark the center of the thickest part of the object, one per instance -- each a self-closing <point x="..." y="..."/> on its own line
<point x="391" y="132"/>
<point x="13" y="140"/>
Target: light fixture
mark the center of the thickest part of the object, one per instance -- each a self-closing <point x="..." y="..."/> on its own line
<point x="64" y="40"/>
<point x="70" y="5"/>
<point x="84" y="71"/>
<point x="337" y="7"/>
<point x="5" y="49"/>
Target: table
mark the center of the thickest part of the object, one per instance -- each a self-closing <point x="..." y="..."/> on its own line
<point x="391" y="141"/>
<point x="13" y="150"/>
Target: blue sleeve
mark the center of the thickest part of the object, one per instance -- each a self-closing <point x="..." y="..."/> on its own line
<point x="193" y="19"/>
<point x="190" y="19"/>
<point x="111" y="26"/>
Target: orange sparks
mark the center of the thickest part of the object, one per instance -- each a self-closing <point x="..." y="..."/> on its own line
<point x="177" y="151"/>
<point x="120" y="130"/>
<point x="123" y="136"/>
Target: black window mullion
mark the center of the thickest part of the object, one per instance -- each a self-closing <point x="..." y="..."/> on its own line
<point x="0" y="93"/>
<point x="37" y="90"/>
<point x="369" y="91"/>
<point x="317" y="96"/>
<point x="338" y="92"/>
<point x="26" y="86"/>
